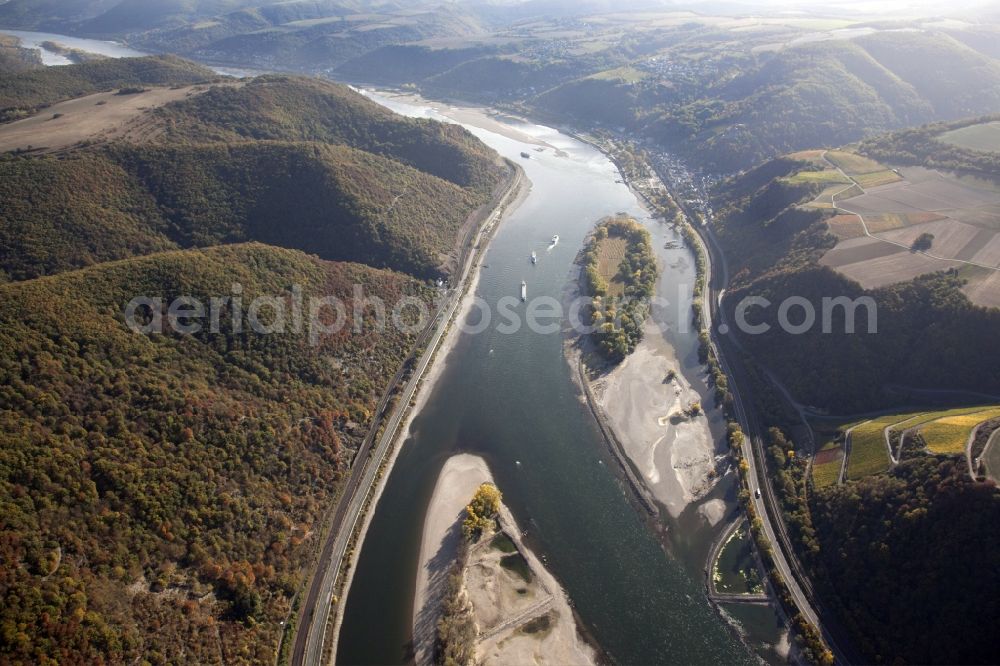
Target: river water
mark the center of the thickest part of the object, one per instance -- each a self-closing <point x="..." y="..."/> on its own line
<point x="511" y="399"/>
<point x="34" y="40"/>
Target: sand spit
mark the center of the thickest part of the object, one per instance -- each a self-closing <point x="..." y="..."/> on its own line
<point x="521" y="613"/>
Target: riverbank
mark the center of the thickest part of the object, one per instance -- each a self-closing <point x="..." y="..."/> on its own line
<point x="517" y="191"/>
<point x="521" y="615"/>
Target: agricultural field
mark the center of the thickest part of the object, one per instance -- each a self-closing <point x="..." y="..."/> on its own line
<point x="957" y="211"/>
<point x="827" y="176"/>
<point x="846" y="226"/>
<point x="950" y="434"/>
<point x="945" y="432"/>
<point x="991" y="457"/>
<point x="625" y="74"/>
<point x="829" y="459"/>
<point x="826" y="466"/>
<point x="610" y="253"/>
<point x="868" y="451"/>
<point x="864" y="171"/>
<point x="984" y="137"/>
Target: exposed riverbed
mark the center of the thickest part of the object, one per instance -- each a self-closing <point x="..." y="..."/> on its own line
<point x="510" y="398"/>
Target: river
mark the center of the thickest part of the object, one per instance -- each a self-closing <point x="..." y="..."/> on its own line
<point x="511" y="399"/>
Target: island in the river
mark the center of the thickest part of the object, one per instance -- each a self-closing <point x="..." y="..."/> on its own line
<point x="482" y="596"/>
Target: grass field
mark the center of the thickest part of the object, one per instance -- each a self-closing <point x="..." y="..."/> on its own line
<point x="830" y="456"/>
<point x="984" y="137"/>
<point x="827" y="473"/>
<point x="991" y="456"/>
<point x="625" y="74"/>
<point x="949" y="434"/>
<point x="610" y="253"/>
<point x="839" y="190"/>
<point x="877" y="178"/>
<point x="853" y="164"/>
<point x="920" y="418"/>
<point x="828" y="176"/>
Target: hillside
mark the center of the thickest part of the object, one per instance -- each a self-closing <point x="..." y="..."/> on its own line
<point x="161" y="493"/>
<point x="909" y="550"/>
<point x="164" y="495"/>
<point x="22" y="93"/>
<point x="824" y="94"/>
<point x="928" y="333"/>
<point x="333" y="201"/>
<point x="891" y="547"/>
<point x="287" y="161"/>
<point x="301" y="109"/>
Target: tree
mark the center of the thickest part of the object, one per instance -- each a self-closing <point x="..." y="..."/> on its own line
<point x="481" y="513"/>
<point x="923" y="242"/>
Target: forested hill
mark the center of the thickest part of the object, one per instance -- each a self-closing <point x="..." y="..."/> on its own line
<point x="163" y="497"/>
<point x="289" y="161"/>
<point x="22" y="92"/>
<point x="914" y="549"/>
<point x="302" y="109"/>
<point x="160" y="495"/>
<point x="929" y="334"/>
<point x="124" y="200"/>
<point x="806" y="95"/>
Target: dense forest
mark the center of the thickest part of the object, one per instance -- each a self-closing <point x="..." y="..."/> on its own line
<point x="929" y="334"/>
<point x="162" y="493"/>
<point x="618" y="314"/>
<point x="910" y="562"/>
<point x="919" y="146"/>
<point x="162" y="496"/>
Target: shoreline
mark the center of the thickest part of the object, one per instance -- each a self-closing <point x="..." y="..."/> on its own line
<point x="503" y="640"/>
<point x="521" y="188"/>
<point x="670" y="460"/>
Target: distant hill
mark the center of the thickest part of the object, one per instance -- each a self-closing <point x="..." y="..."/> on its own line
<point x="24" y="92"/>
<point x="815" y="94"/>
<point x="300" y="109"/>
<point x="287" y="161"/>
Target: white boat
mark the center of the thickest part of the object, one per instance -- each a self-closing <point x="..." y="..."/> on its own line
<point x="524" y="290"/>
<point x="555" y="239"/>
<point x="534" y="257"/>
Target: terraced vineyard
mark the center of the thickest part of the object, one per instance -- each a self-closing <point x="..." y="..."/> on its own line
<point x="950" y="434"/>
<point x="868" y="451"/>
<point x="866" y="172"/>
<point x="829" y="458"/>
<point x="945" y="432"/>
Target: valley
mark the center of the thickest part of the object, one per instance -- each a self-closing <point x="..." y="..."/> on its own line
<point x="736" y="163"/>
